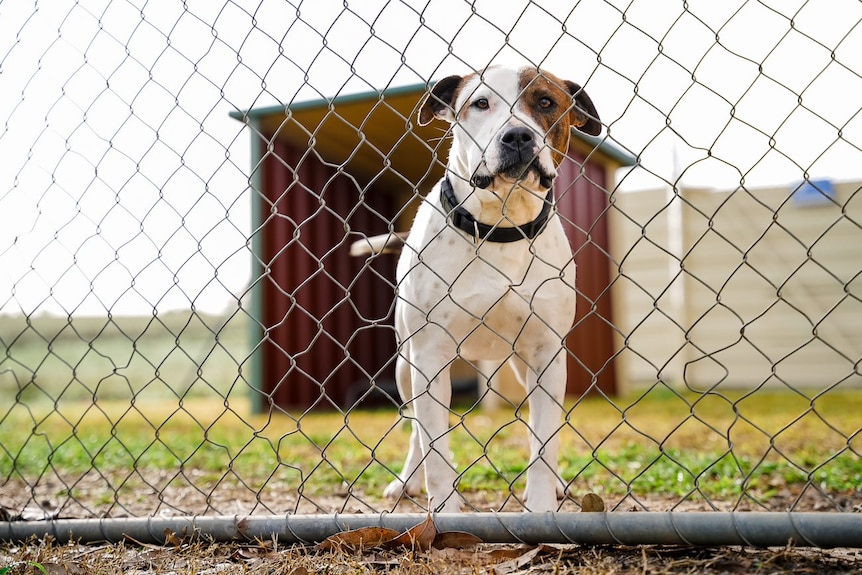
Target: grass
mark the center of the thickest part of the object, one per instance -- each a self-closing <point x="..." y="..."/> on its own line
<point x="660" y="445"/>
<point x="51" y="359"/>
<point x="133" y="399"/>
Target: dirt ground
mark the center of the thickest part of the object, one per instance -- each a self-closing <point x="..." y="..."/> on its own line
<point x="130" y="558"/>
<point x="471" y="557"/>
<point x="92" y="495"/>
<point x="459" y="557"/>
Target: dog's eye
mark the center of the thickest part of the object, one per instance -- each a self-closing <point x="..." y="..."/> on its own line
<point x="546" y="103"/>
<point x="481" y="104"/>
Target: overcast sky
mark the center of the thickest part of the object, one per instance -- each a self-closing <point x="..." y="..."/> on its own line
<point x="123" y="182"/>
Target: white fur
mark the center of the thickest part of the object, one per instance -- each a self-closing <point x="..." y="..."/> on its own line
<point x="503" y="302"/>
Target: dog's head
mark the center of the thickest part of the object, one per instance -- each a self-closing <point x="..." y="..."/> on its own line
<point x="509" y="126"/>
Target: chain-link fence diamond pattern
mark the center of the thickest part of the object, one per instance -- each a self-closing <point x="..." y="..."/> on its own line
<point x="183" y="328"/>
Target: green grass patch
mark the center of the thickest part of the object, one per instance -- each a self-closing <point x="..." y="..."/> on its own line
<point x="50" y="359"/>
<point x="157" y="400"/>
<point x="657" y="445"/>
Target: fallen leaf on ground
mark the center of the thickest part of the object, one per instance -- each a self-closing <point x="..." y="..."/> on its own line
<point x="592" y="503"/>
<point x="172" y="539"/>
<point x="514" y="564"/>
<point x="358" y="539"/>
<point x="422" y="536"/>
<point x="419" y="536"/>
<point x="456" y="540"/>
<point x="508" y="552"/>
<point x="254" y="552"/>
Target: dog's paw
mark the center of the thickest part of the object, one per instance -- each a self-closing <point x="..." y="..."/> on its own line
<point x="398" y="489"/>
<point x="540" y="500"/>
<point x="541" y="505"/>
<point x="452" y="505"/>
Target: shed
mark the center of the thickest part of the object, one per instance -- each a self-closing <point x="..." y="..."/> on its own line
<point x="328" y="172"/>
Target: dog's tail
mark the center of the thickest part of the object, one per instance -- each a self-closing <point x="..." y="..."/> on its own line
<point x="390" y="243"/>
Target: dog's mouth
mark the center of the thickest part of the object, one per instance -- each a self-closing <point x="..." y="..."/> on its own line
<point x="516" y="171"/>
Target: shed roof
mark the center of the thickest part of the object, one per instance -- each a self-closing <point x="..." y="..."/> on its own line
<point x="374" y="136"/>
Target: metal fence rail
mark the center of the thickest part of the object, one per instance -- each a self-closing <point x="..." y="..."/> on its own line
<point x="695" y="528"/>
<point x="184" y="331"/>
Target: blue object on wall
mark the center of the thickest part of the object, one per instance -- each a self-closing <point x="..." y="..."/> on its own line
<point x="814" y="193"/>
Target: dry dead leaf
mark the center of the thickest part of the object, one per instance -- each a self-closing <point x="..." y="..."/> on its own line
<point x="592" y="503"/>
<point x="358" y="539"/>
<point x="172" y="539"/>
<point x="456" y="540"/>
<point x="253" y="552"/>
<point x="419" y="536"/>
<point x="513" y="565"/>
<point x="508" y="552"/>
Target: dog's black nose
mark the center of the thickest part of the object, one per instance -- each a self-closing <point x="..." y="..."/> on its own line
<point x="517" y="138"/>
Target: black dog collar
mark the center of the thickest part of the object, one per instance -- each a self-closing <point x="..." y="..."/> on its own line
<point x="464" y="220"/>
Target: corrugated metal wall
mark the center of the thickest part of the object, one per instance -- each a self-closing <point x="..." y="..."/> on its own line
<point x="582" y="201"/>
<point x="327" y="316"/>
<point x="319" y="340"/>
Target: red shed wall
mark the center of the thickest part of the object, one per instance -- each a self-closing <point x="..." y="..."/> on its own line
<point x="327" y="315"/>
<point x="582" y="202"/>
<point x="324" y="313"/>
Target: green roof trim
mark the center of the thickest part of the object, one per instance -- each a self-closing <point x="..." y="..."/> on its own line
<point x="255" y="113"/>
<point x="603" y="143"/>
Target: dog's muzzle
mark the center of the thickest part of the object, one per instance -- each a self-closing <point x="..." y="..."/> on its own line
<point x="519" y="155"/>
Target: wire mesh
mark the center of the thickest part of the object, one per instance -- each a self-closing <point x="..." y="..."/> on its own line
<point x="184" y="331"/>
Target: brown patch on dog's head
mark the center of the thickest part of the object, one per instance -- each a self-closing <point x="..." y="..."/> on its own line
<point x="557" y="105"/>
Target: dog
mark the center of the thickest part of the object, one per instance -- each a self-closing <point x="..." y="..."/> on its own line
<point x="486" y="272"/>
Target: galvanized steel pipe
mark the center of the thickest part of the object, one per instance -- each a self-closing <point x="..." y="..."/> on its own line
<point x="759" y="529"/>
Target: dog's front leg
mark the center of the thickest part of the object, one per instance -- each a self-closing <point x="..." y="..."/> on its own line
<point x="409" y="481"/>
<point x="432" y="394"/>
<point x="546" y="394"/>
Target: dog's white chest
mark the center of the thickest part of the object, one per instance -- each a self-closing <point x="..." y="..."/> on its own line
<point x="489" y="298"/>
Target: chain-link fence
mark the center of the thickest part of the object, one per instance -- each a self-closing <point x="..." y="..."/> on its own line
<point x="185" y="330"/>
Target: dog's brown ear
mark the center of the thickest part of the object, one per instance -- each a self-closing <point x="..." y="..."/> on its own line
<point x="583" y="114"/>
<point x="440" y="101"/>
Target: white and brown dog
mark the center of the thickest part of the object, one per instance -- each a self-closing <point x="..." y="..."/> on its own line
<point x="486" y="272"/>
